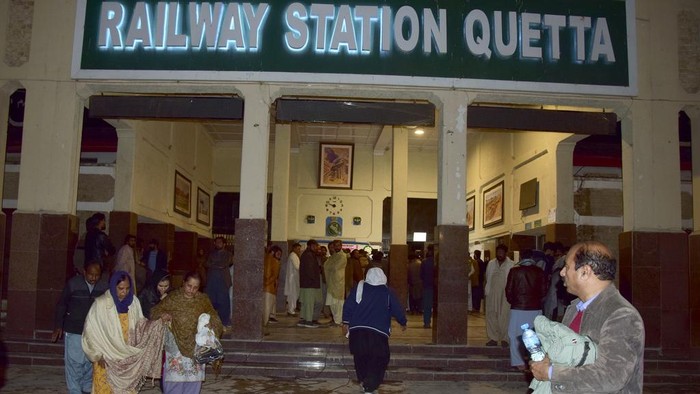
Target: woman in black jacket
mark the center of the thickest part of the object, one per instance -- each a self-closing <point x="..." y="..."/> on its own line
<point x="156" y="289"/>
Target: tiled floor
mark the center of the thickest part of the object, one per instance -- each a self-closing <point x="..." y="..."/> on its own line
<point x="49" y="380"/>
<point x="45" y="380"/>
<point x="287" y="330"/>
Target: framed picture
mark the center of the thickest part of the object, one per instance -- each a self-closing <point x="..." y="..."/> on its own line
<point x="470" y="212"/>
<point x="493" y="205"/>
<point x="335" y="166"/>
<point x="203" y="207"/>
<point x="182" y="195"/>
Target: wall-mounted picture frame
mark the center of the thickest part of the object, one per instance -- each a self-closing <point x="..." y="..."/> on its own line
<point x="182" y="195"/>
<point x="335" y="165"/>
<point x="203" y="207"/>
<point x="493" y="205"/>
<point x="471" y="201"/>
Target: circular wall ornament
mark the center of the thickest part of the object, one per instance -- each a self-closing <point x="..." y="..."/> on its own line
<point x="334" y="205"/>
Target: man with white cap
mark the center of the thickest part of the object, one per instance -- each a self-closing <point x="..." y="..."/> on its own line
<point x="367" y="314"/>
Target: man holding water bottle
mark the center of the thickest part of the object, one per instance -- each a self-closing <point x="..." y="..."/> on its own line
<point x="607" y="318"/>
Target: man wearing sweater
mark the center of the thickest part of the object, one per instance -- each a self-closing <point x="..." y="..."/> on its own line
<point x="71" y="310"/>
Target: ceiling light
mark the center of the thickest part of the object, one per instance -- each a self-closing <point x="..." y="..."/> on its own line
<point x="419" y="132"/>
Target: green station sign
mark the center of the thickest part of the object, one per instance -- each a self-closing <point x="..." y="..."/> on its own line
<point x="533" y="45"/>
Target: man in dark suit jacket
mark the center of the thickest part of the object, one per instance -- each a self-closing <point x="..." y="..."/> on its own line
<point x="607" y="318"/>
<point x="154" y="259"/>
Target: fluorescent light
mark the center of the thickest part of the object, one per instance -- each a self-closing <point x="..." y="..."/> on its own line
<point x="420" y="237"/>
<point x="419" y="132"/>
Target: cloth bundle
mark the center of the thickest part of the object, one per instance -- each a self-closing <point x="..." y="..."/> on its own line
<point x="207" y="348"/>
<point x="563" y="346"/>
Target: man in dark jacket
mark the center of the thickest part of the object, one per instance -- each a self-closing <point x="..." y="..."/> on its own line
<point x="367" y="314"/>
<point x="97" y="243"/>
<point x="154" y="259"/>
<point x="525" y="289"/>
<point x="310" y="294"/>
<point x="478" y="290"/>
<point x="427" y="276"/>
<point x="71" y="310"/>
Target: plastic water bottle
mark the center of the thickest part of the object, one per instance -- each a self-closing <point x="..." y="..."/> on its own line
<point x="532" y="343"/>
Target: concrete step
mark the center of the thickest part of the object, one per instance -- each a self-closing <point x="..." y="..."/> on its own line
<point x="324" y="360"/>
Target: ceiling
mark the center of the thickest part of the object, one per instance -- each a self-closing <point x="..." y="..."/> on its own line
<point x="100" y="136"/>
<point x="373" y="136"/>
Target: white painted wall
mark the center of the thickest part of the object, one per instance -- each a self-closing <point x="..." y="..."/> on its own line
<point x="513" y="158"/>
<point x="161" y="149"/>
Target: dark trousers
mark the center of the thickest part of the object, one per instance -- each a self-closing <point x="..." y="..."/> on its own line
<point x="477" y="296"/>
<point x="427" y="305"/>
<point x="415" y="303"/>
<point x="218" y="295"/>
<point x="370" y="351"/>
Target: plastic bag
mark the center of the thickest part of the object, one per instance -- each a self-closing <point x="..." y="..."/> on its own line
<point x="208" y="353"/>
<point x="207" y="348"/>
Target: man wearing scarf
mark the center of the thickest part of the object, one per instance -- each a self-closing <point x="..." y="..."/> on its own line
<point x="124" y="347"/>
<point x="367" y="317"/>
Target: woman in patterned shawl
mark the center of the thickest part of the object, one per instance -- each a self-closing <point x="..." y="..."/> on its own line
<point x="181" y="374"/>
<point x="124" y="346"/>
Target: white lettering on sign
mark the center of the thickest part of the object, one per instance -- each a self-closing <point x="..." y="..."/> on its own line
<point x="298" y="36"/>
<point x="344" y="28"/>
<point x="214" y="26"/>
<point x="367" y="15"/>
<point x="356" y="30"/>
<point x="533" y="46"/>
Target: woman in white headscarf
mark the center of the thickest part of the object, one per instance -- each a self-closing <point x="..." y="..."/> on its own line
<point x="125" y="347"/>
<point x="367" y="317"/>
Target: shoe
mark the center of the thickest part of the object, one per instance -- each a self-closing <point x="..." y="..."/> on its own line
<point x="491" y="343"/>
<point x="426" y="325"/>
<point x="292" y="314"/>
<point x="504" y="344"/>
<point x="273" y="320"/>
<point x="522" y="368"/>
<point x="306" y="324"/>
<point x="227" y="329"/>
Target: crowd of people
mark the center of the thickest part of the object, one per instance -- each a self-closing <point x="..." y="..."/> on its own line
<point x="122" y="320"/>
<point x="125" y="322"/>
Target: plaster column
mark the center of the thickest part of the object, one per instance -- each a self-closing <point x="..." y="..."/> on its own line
<point x="44" y="228"/>
<point x="398" y="252"/>
<point x="653" y="268"/>
<point x="280" y="203"/>
<point x="452" y="233"/>
<point x="251" y="225"/>
<point x="563" y="228"/>
<point x="124" y="171"/>
<point x="694" y="238"/>
<point x="5" y="93"/>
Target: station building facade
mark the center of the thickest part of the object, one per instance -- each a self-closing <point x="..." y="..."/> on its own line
<point x="312" y="107"/>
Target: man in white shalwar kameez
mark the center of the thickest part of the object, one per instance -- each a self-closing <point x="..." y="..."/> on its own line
<point x="497" y="306"/>
<point x="291" y="281"/>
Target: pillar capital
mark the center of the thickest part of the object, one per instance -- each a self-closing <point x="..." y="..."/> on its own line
<point x="51" y="135"/>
